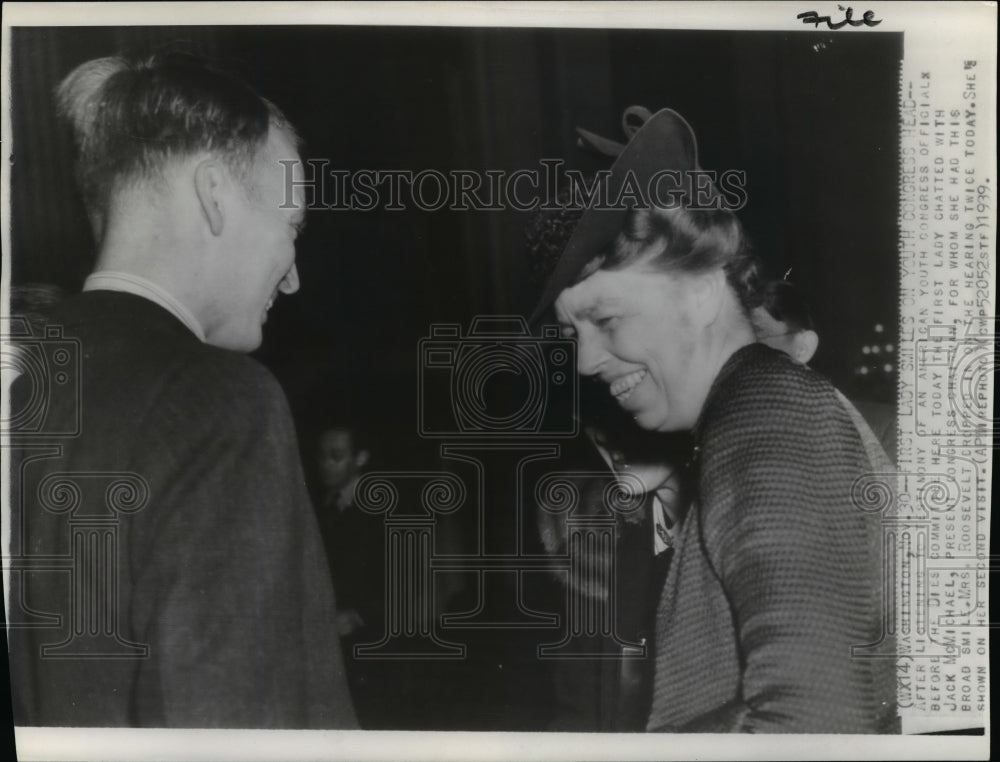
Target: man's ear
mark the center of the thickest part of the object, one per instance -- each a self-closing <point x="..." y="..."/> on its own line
<point x="208" y="183"/>
<point x="804" y="345"/>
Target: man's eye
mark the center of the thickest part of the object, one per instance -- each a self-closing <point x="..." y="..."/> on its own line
<point x="607" y="321"/>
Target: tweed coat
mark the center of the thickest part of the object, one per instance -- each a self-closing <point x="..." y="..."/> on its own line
<point x="776" y="573"/>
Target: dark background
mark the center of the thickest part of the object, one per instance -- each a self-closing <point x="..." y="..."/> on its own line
<point x="812" y="119"/>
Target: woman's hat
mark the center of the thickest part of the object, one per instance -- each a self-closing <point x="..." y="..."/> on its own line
<point x="653" y="164"/>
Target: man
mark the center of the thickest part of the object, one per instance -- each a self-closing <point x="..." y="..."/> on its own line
<point x="353" y="539"/>
<point x="355" y="545"/>
<point x="213" y="606"/>
<point x="783" y="321"/>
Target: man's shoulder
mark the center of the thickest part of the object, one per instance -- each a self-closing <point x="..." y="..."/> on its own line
<point x="136" y="349"/>
<point x="245" y="386"/>
<point x="213" y="380"/>
<point x="141" y="329"/>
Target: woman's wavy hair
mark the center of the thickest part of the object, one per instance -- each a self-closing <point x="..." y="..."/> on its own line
<point x="686" y="240"/>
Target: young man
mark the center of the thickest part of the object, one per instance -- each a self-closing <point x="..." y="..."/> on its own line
<point x="214" y="608"/>
<point x="355" y="545"/>
<point x="783" y="322"/>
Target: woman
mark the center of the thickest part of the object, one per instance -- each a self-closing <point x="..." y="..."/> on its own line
<point x="776" y="573"/>
<point x="597" y="689"/>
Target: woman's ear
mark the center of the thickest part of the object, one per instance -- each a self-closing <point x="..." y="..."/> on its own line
<point x="208" y="184"/>
<point x="708" y="292"/>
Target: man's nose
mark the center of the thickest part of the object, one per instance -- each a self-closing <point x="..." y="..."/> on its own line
<point x="290" y="283"/>
<point x="589" y="354"/>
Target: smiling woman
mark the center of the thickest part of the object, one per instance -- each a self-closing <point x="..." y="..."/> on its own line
<point x="642" y="311"/>
<point x="775" y="576"/>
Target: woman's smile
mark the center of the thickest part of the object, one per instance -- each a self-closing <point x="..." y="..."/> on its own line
<point x="622" y="387"/>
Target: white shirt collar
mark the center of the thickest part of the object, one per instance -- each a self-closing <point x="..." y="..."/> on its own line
<point x="114" y="280"/>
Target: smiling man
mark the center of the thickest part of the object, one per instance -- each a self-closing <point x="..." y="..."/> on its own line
<point x="219" y="610"/>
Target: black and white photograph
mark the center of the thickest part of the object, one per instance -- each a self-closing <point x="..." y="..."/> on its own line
<point x="564" y="381"/>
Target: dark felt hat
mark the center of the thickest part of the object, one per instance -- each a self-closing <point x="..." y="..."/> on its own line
<point x="664" y="141"/>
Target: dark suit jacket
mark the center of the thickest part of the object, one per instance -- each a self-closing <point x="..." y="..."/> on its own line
<point x="220" y="574"/>
<point x="777" y="572"/>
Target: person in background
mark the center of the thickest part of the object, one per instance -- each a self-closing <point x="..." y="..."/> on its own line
<point x="222" y="614"/>
<point x="783" y="321"/>
<point x="355" y="546"/>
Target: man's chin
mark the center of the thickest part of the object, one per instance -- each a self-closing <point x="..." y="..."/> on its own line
<point x="245" y="342"/>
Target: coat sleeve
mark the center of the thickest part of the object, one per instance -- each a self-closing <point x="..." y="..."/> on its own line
<point x="233" y="596"/>
<point x="797" y="562"/>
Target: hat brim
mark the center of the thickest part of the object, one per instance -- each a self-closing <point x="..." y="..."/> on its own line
<point x="665" y="142"/>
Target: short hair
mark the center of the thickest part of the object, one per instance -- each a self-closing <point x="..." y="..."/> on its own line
<point x="786" y="304"/>
<point x="131" y="116"/>
<point x="687" y="240"/>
